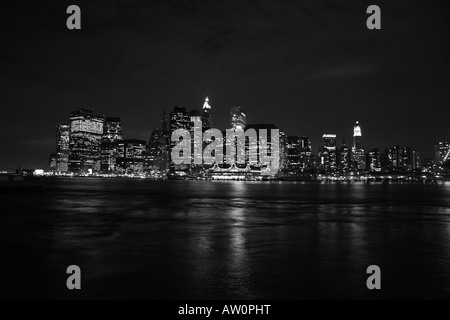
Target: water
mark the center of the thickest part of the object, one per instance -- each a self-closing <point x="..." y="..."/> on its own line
<point x="225" y="240"/>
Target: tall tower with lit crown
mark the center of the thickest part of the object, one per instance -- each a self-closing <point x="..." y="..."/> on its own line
<point x="357" y="136"/>
<point x="206" y="115"/>
<point x="358" y="155"/>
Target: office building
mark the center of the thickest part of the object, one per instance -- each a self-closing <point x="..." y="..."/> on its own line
<point x="62" y="148"/>
<point x="442" y="150"/>
<point x="131" y="156"/>
<point x="344" y="158"/>
<point x="293" y="154"/>
<point x="86" y="130"/>
<point x="327" y="154"/>
<point x="305" y="152"/>
<point x="112" y="132"/>
<point x="373" y="160"/>
<point x="238" y="118"/>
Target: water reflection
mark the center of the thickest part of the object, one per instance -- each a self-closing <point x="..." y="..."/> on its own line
<point x="231" y="240"/>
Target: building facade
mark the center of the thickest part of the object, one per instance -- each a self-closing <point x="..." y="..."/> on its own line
<point x="131" y="156"/>
<point x="62" y="148"/>
<point x="112" y="132"/>
<point x="327" y="154"/>
<point x="86" y="130"/>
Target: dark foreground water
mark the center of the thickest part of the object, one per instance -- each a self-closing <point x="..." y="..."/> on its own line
<point x="225" y="240"/>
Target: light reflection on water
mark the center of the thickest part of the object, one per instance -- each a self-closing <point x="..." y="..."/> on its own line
<point x="238" y="240"/>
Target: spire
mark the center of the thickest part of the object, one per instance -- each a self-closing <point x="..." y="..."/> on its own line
<point x="357" y="130"/>
<point x="206" y="115"/>
<point x="206" y="104"/>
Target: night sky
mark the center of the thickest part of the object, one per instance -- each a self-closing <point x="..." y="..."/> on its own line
<point x="309" y="67"/>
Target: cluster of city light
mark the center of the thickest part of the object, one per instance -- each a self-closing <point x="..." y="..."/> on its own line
<point x="97" y="148"/>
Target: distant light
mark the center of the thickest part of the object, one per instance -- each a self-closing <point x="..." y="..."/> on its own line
<point x="38" y="172"/>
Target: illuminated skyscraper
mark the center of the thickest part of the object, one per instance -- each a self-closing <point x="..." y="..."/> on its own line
<point x="344" y="157"/>
<point x="305" y="152"/>
<point x="196" y="146"/>
<point x="399" y="159"/>
<point x="357" y="136"/>
<point x="374" y="160"/>
<point x="238" y="118"/>
<point x="158" y="148"/>
<point x="327" y="153"/>
<point x="86" y="130"/>
<point x="358" y="155"/>
<point x="112" y="132"/>
<point x="62" y="148"/>
<point x="206" y="115"/>
<point x="179" y="119"/>
<point x="238" y="123"/>
<point x="158" y="151"/>
<point x="442" y="152"/>
<point x="131" y="156"/>
<point x="293" y="154"/>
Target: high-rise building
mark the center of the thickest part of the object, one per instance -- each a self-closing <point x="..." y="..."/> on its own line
<point x="179" y="119"/>
<point x="62" y="148"/>
<point x="238" y="118"/>
<point x="158" y="151"/>
<point x="86" y="130"/>
<point x="374" y="160"/>
<point x="206" y="115"/>
<point x="407" y="155"/>
<point x="131" y="156"/>
<point x="195" y="126"/>
<point x="238" y="123"/>
<point x="327" y="153"/>
<point x="357" y="136"/>
<point x="158" y="148"/>
<point x="344" y="157"/>
<point x="417" y="160"/>
<point x="442" y="150"/>
<point x="358" y="154"/>
<point x="305" y="152"/>
<point x="293" y="154"/>
<point x="112" y="132"/>
<point x="399" y="159"/>
<point x="391" y="161"/>
<point x="283" y="143"/>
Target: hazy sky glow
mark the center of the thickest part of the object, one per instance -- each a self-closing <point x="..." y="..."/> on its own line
<point x="310" y="67"/>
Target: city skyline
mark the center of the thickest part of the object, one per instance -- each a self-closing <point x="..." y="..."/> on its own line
<point x="339" y="141"/>
<point x="233" y="111"/>
<point x="314" y="67"/>
<point x="94" y="143"/>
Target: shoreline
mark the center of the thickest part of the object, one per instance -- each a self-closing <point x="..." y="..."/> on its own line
<point x="336" y="180"/>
